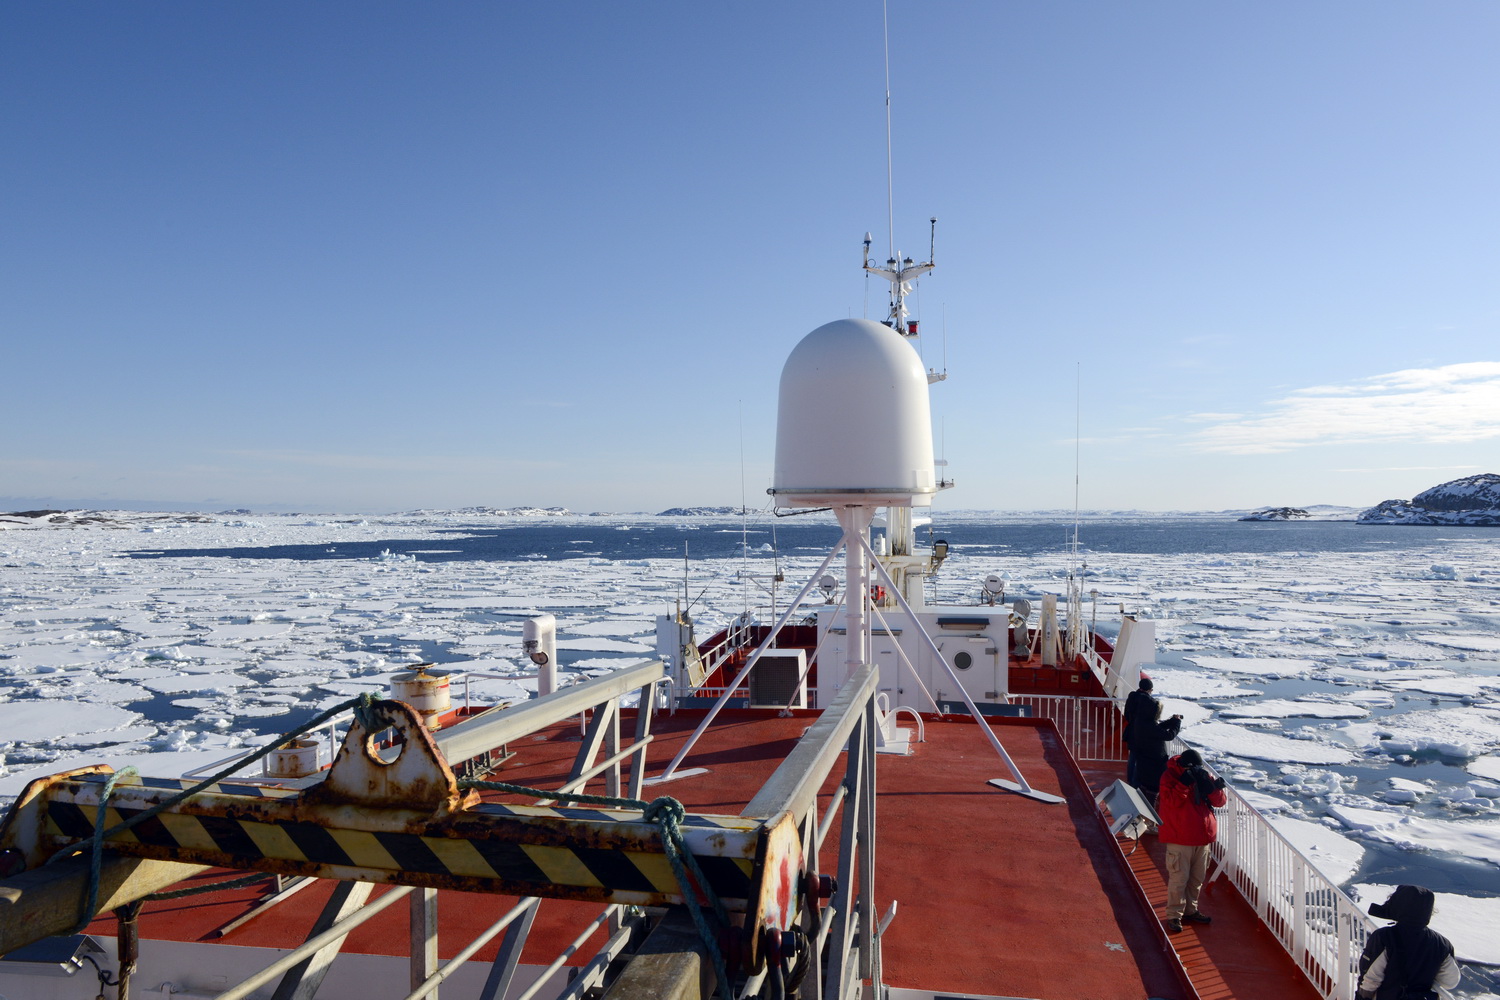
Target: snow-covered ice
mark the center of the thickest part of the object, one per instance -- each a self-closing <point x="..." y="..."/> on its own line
<point x="1308" y="677"/>
<point x="1460" y="732"/>
<point x="1238" y="741"/>
<point x="1282" y="708"/>
<point x="1338" y="857"/>
<point x="1472" y="838"/>
<point x="1261" y="666"/>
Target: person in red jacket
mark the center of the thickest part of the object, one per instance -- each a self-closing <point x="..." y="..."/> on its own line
<point x="1186" y="800"/>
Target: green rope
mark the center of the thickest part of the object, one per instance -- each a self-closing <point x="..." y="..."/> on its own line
<point x="364" y="714"/>
<point x="195" y="890"/>
<point x="668" y="814"/>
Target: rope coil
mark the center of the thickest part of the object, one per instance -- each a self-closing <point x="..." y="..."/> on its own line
<point x="668" y="814"/>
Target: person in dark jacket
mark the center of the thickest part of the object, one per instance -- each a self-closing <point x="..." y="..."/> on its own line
<point x="1139" y="703"/>
<point x="1406" y="960"/>
<point x="1188" y="796"/>
<point x="1149" y="736"/>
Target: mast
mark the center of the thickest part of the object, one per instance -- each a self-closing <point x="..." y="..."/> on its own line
<point x="908" y="570"/>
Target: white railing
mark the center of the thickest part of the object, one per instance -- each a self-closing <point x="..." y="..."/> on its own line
<point x="327" y="750"/>
<point x="1089" y="727"/>
<point x="1316" y="922"/>
<point x="1320" y="927"/>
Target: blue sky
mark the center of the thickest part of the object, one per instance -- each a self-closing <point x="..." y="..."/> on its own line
<point x="370" y="257"/>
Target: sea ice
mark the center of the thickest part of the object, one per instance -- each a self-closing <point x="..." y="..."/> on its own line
<point x="1471" y="641"/>
<point x="44" y="721"/>
<point x="603" y="645"/>
<point x="1466" y="731"/>
<point x="1261" y="666"/>
<point x="1487" y="766"/>
<point x="1195" y="684"/>
<point x="1236" y="741"/>
<point x="1474" y="838"/>
<point x="1335" y="855"/>
<point x="188" y="683"/>
<point x="1261" y="801"/>
<point x="1281" y="708"/>
<point x="54" y="655"/>
<point x="1364" y="820"/>
<point x="1452" y="686"/>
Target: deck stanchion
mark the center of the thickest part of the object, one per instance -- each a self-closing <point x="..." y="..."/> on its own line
<point x="503" y="969"/>
<point x="424" y="943"/>
<point x="1343" y="926"/>
<point x="301" y="982"/>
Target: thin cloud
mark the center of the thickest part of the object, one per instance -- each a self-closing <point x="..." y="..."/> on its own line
<point x="1415" y="468"/>
<point x="1451" y="404"/>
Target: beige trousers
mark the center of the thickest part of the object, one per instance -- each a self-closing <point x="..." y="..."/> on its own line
<point x="1186" y="868"/>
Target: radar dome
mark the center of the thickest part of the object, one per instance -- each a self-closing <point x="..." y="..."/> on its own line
<point x="853" y="424"/>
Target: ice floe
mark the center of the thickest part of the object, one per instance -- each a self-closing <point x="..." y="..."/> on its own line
<point x="43" y="721"/>
<point x="1260" y="666"/>
<point x="1195" y="685"/>
<point x="1338" y="857"/>
<point x="1281" y="708"/>
<point x="1459" y="732"/>
<point x="1473" y="838"/>
<point x="1237" y="741"/>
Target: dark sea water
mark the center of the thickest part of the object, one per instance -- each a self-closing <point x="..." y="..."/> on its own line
<point x="704" y="539"/>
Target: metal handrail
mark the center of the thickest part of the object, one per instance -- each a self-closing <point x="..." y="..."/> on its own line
<point x="333" y="748"/>
<point x="1319" y="926"/>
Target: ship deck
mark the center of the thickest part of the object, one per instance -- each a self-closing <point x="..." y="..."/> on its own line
<point x="997" y="894"/>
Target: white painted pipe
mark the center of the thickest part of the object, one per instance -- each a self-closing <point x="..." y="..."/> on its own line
<point x="539" y="641"/>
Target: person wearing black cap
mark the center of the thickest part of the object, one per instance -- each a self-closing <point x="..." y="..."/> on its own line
<point x="1149" y="736"/>
<point x="1406" y="960"/>
<point x="1188" y="796"/>
<point x="1140" y="704"/>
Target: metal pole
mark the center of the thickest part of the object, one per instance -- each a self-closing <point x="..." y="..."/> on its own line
<point x="312" y="944"/>
<point x="1015" y="772"/>
<point x="424" y="942"/>
<point x="856" y="523"/>
<point x="745" y="670"/>
<point x="127" y="946"/>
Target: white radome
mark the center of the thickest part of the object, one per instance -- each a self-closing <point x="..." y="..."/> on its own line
<point x="853" y="420"/>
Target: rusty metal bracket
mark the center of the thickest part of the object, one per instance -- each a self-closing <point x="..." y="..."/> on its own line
<point x="418" y="778"/>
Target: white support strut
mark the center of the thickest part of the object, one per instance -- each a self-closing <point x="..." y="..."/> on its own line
<point x="739" y="678"/>
<point x="1020" y="783"/>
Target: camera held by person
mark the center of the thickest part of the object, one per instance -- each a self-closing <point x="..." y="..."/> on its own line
<point x="1196" y="775"/>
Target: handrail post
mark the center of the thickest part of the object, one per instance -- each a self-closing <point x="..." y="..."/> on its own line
<point x="1299" y="909"/>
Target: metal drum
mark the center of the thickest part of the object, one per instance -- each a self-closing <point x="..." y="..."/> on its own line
<point x="424" y="692"/>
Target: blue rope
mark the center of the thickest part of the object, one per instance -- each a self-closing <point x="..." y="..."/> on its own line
<point x="364" y="714"/>
<point x="668" y="814"/>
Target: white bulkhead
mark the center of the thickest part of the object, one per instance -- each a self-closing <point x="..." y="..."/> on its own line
<point x="853" y="423"/>
<point x="973" y="640"/>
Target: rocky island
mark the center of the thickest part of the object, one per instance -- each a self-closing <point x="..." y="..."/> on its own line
<point x="1277" y="514"/>
<point x="1473" y="501"/>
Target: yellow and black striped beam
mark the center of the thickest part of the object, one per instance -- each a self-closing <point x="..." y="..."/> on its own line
<point x="603" y="855"/>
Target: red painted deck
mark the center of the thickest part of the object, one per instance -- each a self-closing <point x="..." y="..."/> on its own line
<point x="998" y="894"/>
<point x="1235" y="957"/>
